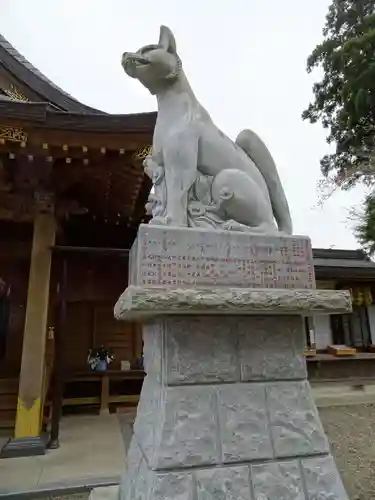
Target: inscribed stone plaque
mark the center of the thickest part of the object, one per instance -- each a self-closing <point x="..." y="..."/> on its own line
<point x="168" y="256"/>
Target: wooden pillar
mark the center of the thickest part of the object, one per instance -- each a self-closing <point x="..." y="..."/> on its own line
<point x="58" y="382"/>
<point x="27" y="440"/>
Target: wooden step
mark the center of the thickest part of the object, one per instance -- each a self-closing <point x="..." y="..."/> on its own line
<point x="7" y="419"/>
<point x="8" y="402"/>
<point x="9" y="386"/>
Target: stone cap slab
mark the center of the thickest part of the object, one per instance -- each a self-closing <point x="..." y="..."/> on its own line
<point x="139" y="302"/>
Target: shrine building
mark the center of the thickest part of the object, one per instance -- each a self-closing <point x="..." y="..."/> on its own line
<point x="72" y="194"/>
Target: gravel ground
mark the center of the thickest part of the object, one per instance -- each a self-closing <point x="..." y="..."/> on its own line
<point x="351" y="431"/>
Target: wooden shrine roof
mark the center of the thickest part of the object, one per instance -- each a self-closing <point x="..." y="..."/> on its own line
<point x="42" y="115"/>
<point x="83" y="155"/>
<point x="34" y="81"/>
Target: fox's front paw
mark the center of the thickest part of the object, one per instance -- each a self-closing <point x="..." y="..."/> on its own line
<point x="160" y="221"/>
<point x="228" y="225"/>
<point x="232" y="225"/>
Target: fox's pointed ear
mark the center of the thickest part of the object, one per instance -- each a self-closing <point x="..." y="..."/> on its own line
<point x="167" y="40"/>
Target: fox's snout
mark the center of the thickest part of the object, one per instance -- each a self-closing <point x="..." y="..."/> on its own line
<point x="154" y="65"/>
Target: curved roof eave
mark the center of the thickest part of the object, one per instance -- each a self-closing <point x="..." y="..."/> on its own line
<point x="25" y="72"/>
<point x="42" y="114"/>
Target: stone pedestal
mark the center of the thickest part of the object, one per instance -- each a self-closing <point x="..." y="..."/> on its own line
<point x="226" y="411"/>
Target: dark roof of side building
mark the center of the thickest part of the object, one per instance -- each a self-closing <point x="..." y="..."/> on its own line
<point x="341" y="264"/>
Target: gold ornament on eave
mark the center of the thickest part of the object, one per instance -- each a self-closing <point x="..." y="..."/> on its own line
<point x="142" y="153"/>
<point x="15" y="94"/>
<point x="361" y="296"/>
<point x="14" y="134"/>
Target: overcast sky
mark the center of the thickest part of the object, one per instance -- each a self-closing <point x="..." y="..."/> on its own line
<point x="245" y="60"/>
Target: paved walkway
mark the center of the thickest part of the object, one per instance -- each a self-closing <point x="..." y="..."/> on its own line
<point x="92" y="450"/>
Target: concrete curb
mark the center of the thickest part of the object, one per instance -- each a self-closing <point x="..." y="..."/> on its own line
<point x="61" y="488"/>
<point x="343" y="394"/>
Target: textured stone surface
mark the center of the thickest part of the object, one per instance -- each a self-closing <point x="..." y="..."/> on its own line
<point x="134" y="458"/>
<point x="271" y="347"/>
<point x="148" y="421"/>
<point x="295" y="425"/>
<point x="129" y="480"/>
<point x="139" y="302"/>
<point x="235" y="352"/>
<point x="184" y="426"/>
<point x="309" y="479"/>
<point x="322" y="479"/>
<point x="152" y="348"/>
<point x="189" y="434"/>
<point x="216" y="359"/>
<point x="245" y="433"/>
<point x="142" y="485"/>
<point x="180" y="257"/>
<point x="223" y="484"/>
<point x="174" y="486"/>
<point x="277" y="481"/>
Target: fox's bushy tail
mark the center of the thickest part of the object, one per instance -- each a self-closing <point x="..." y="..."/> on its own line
<point x="255" y="148"/>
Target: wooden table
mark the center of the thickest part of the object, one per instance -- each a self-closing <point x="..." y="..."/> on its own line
<point x="104" y="378"/>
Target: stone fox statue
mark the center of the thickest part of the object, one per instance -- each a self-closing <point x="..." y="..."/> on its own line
<point x="245" y="191"/>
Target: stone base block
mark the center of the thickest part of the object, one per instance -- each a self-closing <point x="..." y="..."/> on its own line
<point x="24" y="447"/>
<point x="290" y="479"/>
<point x="199" y="426"/>
<point x="226" y="412"/>
<point x="105" y="493"/>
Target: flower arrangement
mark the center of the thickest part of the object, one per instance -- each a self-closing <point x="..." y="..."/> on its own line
<point x="99" y="358"/>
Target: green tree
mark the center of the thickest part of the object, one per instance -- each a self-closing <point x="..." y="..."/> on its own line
<point x="344" y="99"/>
<point x="365" y="227"/>
<point x="344" y="102"/>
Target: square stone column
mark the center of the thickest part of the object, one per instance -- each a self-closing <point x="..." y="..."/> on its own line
<point x="226" y="410"/>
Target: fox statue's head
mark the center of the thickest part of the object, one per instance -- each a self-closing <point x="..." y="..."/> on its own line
<point x="155" y="66"/>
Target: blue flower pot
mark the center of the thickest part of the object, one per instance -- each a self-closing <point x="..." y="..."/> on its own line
<point x="102" y="366"/>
